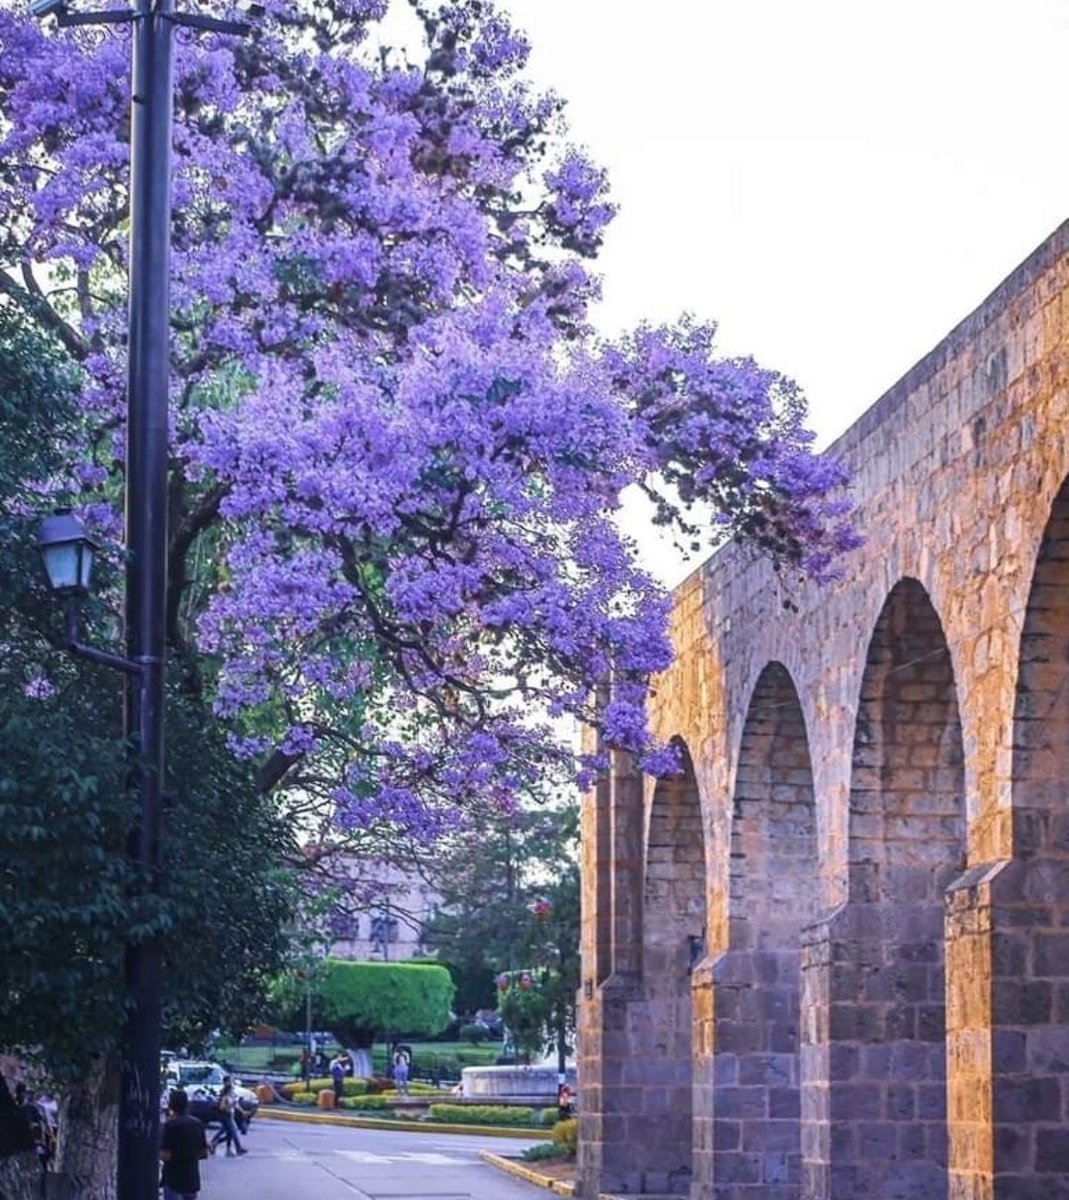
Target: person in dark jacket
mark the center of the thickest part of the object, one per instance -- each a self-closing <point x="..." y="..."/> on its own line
<point x="182" y="1146"/>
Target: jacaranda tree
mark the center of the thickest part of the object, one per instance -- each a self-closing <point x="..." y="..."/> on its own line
<point x="398" y="448"/>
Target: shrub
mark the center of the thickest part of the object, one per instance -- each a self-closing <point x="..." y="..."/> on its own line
<point x="351" y="1087"/>
<point x="566" y="1135"/>
<point x="304" y="1097"/>
<point x="543" y="1151"/>
<point x="356" y="999"/>
<point x="367" y="1103"/>
<point x="482" y="1114"/>
<point x="475" y="1033"/>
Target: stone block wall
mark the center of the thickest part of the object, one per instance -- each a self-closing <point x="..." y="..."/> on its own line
<point x="871" y="829"/>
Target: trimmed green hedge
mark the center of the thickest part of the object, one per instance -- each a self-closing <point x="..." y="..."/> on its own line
<point x="544" y="1152"/>
<point x="368" y="1103"/>
<point x="482" y="1114"/>
<point x="352" y="1087"/>
<point x="357" y="999"/>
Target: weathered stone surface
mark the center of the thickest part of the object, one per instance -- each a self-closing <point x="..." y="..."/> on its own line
<point x="831" y="960"/>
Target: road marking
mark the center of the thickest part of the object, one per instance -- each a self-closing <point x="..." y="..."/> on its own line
<point x="403" y="1157"/>
<point x="433" y="1160"/>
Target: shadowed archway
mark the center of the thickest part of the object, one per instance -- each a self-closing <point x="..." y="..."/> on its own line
<point x="887" y="999"/>
<point x="1030" y="916"/>
<point x="774" y="886"/>
<point x="674" y="917"/>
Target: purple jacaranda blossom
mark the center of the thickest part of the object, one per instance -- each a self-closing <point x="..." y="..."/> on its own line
<point x="397" y="447"/>
<point x="39" y="688"/>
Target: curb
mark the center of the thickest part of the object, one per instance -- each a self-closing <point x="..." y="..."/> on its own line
<point x="561" y="1187"/>
<point x="496" y="1131"/>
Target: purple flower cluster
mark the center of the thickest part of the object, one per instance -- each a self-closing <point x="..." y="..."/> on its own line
<point x="398" y="449"/>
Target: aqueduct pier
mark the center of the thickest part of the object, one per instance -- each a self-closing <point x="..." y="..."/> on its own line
<point x="830" y="960"/>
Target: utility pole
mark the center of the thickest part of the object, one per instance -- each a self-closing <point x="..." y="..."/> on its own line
<point x="146" y="565"/>
<point x="149" y="346"/>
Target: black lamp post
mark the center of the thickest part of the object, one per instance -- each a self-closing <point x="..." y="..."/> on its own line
<point x="69" y="553"/>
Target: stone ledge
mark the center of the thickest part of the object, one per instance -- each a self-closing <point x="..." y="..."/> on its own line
<point x="560" y="1187"/>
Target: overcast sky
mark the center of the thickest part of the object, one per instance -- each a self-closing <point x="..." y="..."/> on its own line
<point x="836" y="182"/>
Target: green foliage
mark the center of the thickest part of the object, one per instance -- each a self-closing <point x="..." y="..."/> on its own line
<point x="351" y="1087"/>
<point x="526" y="1014"/>
<point x="543" y="1152"/>
<point x="70" y="898"/>
<point x="474" y="1033"/>
<point x="566" y="1135"/>
<point x="357" y="999"/>
<point x="491" y="881"/>
<point x="446" y="1059"/>
<point x="304" y="1097"/>
<point x="231" y="897"/>
<point x="66" y="908"/>
<point x="368" y="1103"/>
<point x="483" y="1114"/>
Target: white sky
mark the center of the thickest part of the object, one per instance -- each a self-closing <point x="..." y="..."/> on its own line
<point x="836" y="182"/>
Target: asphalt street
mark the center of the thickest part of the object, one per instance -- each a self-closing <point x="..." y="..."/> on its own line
<point x="290" y="1161"/>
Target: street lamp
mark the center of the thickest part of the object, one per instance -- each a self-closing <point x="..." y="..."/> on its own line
<point x="67" y="553"/>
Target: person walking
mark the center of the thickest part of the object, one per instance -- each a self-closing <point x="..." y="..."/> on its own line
<point x="182" y="1146"/>
<point x="228" y="1128"/>
<point x="337" y="1077"/>
<point x="400" y="1071"/>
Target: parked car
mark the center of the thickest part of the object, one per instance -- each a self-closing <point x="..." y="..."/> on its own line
<point x="202" y="1082"/>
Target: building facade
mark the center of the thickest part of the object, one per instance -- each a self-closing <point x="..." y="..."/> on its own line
<point x="830" y="959"/>
<point x="383" y="913"/>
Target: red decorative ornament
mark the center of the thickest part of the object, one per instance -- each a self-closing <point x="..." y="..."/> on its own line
<point x="542" y="909"/>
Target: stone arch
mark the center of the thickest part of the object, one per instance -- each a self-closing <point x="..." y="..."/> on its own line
<point x="907" y="775"/>
<point x="774" y="886"/>
<point x="1041" y="709"/>
<point x="1029" y="898"/>
<point x="907" y="844"/>
<point x="674" y="920"/>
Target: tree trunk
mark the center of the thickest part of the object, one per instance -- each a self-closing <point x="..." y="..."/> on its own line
<point x="21" y="1176"/>
<point x="89" y="1133"/>
<point x="20" y="1168"/>
<point x="361" y="1057"/>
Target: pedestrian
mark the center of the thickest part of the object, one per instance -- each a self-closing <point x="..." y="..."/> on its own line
<point x="400" y="1070"/>
<point x="228" y="1129"/>
<point x="337" y="1076"/>
<point x="182" y="1146"/>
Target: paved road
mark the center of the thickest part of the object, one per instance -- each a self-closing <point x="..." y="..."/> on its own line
<point x="292" y="1161"/>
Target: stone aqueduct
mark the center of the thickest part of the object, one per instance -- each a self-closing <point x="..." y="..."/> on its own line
<point x="831" y="958"/>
